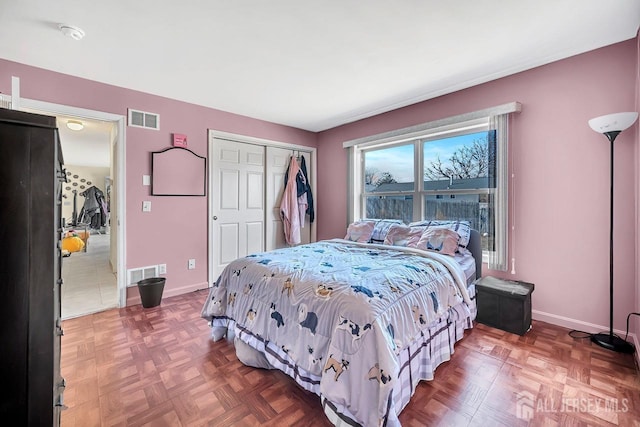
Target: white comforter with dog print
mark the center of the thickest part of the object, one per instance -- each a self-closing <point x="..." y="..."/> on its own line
<point x="339" y="312"/>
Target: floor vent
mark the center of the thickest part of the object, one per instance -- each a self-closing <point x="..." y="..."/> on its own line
<point x="134" y="275"/>
<point x="143" y="119"/>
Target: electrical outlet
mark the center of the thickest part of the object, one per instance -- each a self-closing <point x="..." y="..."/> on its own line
<point x="192" y="264"/>
<point x="162" y="269"/>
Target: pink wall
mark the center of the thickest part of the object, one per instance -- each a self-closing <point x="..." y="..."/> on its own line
<point x="560" y="193"/>
<point x="176" y="228"/>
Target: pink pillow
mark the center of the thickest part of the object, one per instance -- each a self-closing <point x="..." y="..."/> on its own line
<point x="440" y="240"/>
<point x="403" y="235"/>
<point x="360" y="231"/>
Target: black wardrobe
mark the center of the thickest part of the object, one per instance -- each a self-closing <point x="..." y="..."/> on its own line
<point x="31" y="175"/>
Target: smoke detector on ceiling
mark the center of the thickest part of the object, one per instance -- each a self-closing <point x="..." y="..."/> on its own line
<point x="71" y="31"/>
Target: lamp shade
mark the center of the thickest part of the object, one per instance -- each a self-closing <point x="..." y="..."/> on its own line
<point x="613" y="122"/>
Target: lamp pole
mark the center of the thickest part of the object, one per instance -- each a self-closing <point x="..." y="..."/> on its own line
<point x="612" y="137"/>
<point x="610" y="341"/>
<point x="611" y="125"/>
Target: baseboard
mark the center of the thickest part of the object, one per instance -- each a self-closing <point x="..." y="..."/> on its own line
<point x="135" y="298"/>
<point x="579" y="325"/>
<point x="185" y="289"/>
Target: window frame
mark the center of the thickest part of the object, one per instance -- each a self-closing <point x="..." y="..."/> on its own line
<point x="440" y="129"/>
<point x="418" y="193"/>
<point x="364" y="194"/>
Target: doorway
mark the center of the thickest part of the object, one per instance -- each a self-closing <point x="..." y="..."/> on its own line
<point x="89" y="280"/>
<point x="94" y="160"/>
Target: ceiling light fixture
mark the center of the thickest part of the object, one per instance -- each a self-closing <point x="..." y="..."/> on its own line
<point x="71" y="31"/>
<point x="75" y="125"/>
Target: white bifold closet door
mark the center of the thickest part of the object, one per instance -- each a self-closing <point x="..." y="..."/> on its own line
<point x="238" y="189"/>
<point x="246" y="187"/>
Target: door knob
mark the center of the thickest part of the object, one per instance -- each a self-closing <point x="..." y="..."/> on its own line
<point x="215" y="217"/>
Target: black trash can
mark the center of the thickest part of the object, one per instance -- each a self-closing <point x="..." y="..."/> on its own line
<point x="151" y="291"/>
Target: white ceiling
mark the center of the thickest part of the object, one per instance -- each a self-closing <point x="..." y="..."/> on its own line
<point x="90" y="146"/>
<point x="310" y="65"/>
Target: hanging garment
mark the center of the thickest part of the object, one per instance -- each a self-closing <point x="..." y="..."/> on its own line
<point x="303" y="189"/>
<point x="309" y="210"/>
<point x="289" y="209"/>
<point x="302" y="207"/>
<point x="93" y="211"/>
<point x="74" y="216"/>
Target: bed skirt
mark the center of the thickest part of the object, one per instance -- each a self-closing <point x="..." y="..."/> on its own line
<point x="417" y="362"/>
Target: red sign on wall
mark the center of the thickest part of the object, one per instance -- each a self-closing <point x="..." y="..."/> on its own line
<point x="179" y="140"/>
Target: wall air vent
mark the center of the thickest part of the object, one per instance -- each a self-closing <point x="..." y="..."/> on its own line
<point x="134" y="275"/>
<point x="143" y="119"/>
<point x="5" y="101"/>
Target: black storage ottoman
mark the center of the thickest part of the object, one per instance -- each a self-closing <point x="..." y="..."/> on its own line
<point x="504" y="304"/>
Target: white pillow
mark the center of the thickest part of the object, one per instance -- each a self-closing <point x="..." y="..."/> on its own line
<point x="440" y="240"/>
<point x="381" y="229"/>
<point x="403" y="235"/>
<point x="360" y="231"/>
<point x="463" y="228"/>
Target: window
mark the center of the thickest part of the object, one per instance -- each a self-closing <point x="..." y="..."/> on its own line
<point x="461" y="169"/>
<point x="455" y="180"/>
<point x="451" y="169"/>
<point x="389" y="183"/>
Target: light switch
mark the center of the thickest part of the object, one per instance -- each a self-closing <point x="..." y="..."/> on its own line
<point x="146" y="179"/>
<point x="146" y="206"/>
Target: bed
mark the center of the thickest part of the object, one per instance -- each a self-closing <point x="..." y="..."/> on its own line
<point x="358" y="321"/>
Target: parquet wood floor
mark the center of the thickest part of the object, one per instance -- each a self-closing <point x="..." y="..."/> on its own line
<point x="158" y="367"/>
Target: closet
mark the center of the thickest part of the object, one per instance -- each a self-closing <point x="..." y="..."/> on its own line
<point x="246" y="181"/>
<point x="31" y="265"/>
<point x="278" y="160"/>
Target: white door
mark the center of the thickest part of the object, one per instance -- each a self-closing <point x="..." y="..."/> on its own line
<point x="277" y="162"/>
<point x="237" y="189"/>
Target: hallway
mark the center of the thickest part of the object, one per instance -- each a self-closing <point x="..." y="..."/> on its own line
<point x="89" y="285"/>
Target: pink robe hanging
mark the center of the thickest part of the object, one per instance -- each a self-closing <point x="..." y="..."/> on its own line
<point x="289" y="208"/>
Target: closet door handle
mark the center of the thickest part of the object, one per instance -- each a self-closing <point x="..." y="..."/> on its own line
<point x="215" y="218"/>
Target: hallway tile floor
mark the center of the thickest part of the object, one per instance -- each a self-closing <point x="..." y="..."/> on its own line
<point x="89" y="285"/>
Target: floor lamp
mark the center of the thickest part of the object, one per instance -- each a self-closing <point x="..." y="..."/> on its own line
<point x="611" y="125"/>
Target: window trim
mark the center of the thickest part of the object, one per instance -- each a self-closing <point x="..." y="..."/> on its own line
<point x="418" y="192"/>
<point x="440" y="125"/>
<point x="437" y="129"/>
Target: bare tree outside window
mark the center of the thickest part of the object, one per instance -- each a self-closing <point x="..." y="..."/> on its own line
<point x="471" y="166"/>
<point x="373" y="176"/>
<point x="457" y="182"/>
<point x="469" y="161"/>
